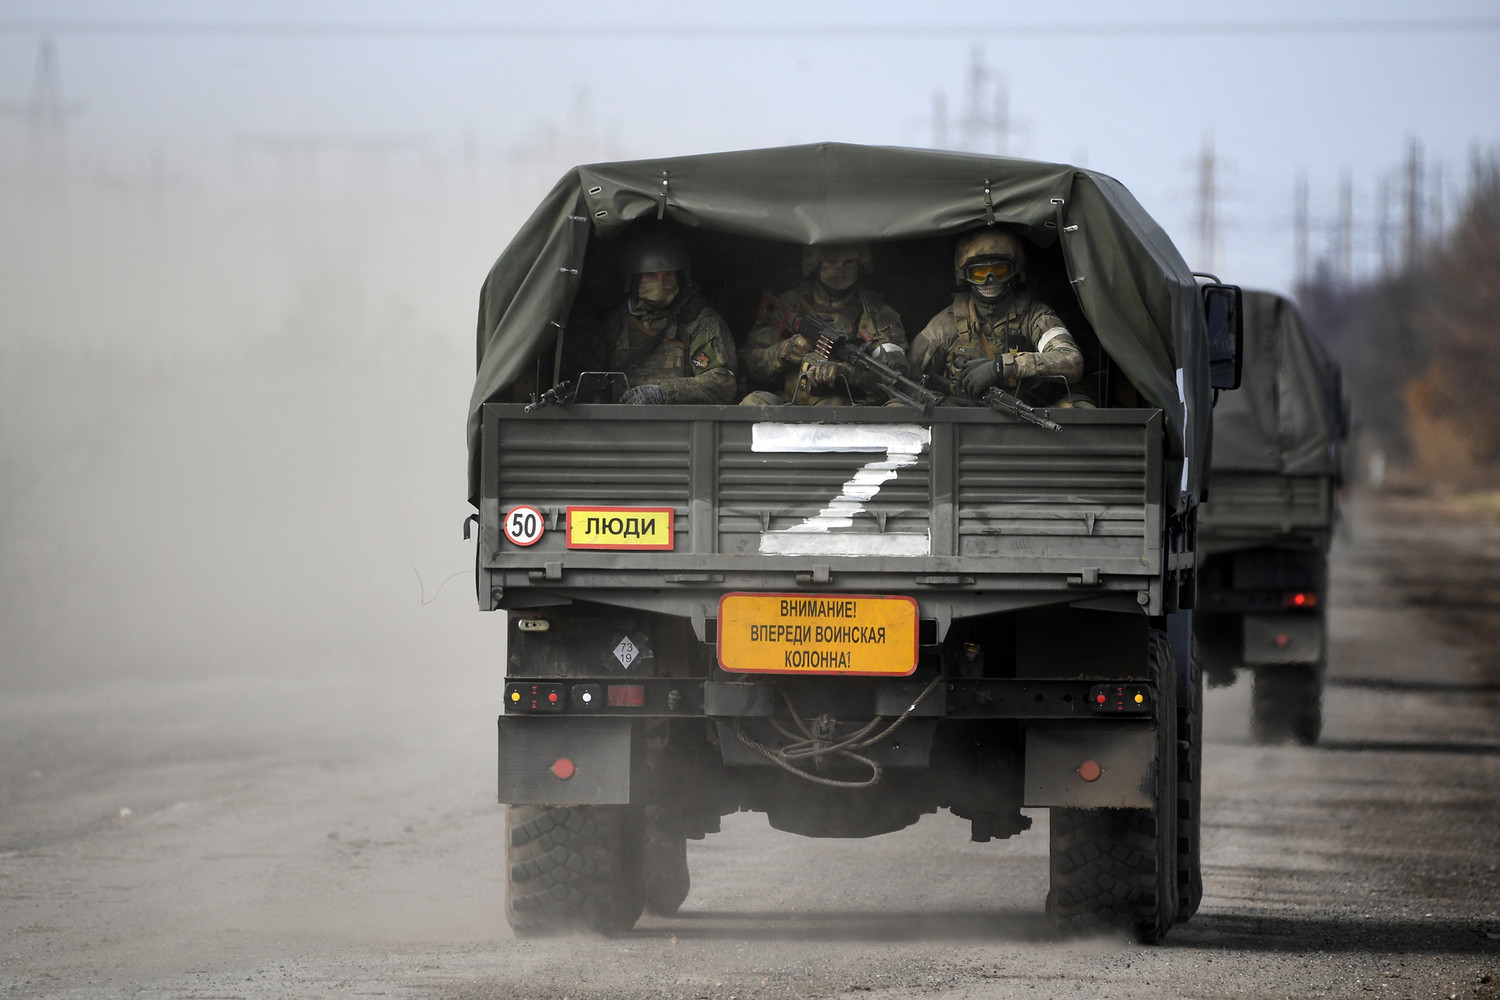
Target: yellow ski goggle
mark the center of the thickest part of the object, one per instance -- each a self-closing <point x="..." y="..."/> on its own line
<point x="981" y="271"/>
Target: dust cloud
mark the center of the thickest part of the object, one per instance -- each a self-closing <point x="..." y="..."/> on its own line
<point x="237" y="622"/>
<point x="232" y="405"/>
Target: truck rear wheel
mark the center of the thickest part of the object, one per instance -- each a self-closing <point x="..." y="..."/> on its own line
<point x="1286" y="703"/>
<point x="574" y="868"/>
<point x="1117" y="868"/>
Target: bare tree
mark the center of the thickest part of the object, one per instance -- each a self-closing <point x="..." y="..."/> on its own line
<point x="1462" y="319"/>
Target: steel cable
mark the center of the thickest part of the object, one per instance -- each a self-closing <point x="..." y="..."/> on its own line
<point x="810" y="746"/>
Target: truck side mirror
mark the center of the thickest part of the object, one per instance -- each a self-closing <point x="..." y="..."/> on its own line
<point x="1226" y="334"/>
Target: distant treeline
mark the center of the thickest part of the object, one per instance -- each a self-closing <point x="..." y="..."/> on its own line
<point x="1420" y="347"/>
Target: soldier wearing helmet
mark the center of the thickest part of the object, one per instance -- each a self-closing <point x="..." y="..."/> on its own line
<point x="995" y="333"/>
<point x="671" y="345"/>
<point x="833" y="289"/>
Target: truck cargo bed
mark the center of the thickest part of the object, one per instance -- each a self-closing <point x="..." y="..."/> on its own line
<point x="968" y="511"/>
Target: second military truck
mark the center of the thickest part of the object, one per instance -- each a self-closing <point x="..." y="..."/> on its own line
<point x="1265" y="531"/>
<point x="846" y="617"/>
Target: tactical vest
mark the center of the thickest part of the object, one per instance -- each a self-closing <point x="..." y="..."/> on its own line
<point x="665" y="354"/>
<point x="972" y="344"/>
<point x="870" y="304"/>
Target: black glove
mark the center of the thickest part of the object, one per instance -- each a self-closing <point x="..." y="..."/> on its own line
<point x="978" y="376"/>
<point x="645" y="395"/>
<point x="825" y="374"/>
<point x="794" y="349"/>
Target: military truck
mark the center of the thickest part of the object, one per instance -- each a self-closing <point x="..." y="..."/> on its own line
<point x="1265" y="530"/>
<point x="848" y="617"/>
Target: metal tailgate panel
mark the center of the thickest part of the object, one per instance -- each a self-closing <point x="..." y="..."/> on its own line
<point x="1254" y="507"/>
<point x="978" y="501"/>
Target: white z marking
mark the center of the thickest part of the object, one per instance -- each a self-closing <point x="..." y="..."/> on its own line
<point x="900" y="446"/>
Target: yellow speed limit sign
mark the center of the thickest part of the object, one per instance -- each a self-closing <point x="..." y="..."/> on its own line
<point x="854" y="634"/>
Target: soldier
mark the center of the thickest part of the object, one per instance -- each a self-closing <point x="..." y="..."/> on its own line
<point x="671" y="345"/>
<point x="832" y="289"/>
<point x="995" y="333"/>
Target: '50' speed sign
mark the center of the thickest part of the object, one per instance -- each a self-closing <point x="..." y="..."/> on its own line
<point x="523" y="525"/>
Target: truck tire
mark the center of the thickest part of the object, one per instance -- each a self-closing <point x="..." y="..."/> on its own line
<point x="574" y="868"/>
<point x="1117" y="868"/>
<point x="1286" y="703"/>
<point x="666" y="866"/>
<point x="1190" y="792"/>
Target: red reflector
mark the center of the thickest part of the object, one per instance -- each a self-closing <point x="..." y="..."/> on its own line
<point x="552" y="696"/>
<point x="1090" y="770"/>
<point x="1302" y="600"/>
<point x="626" y="695"/>
<point x="1100" y="698"/>
<point x="563" y="768"/>
<point x="1282" y="639"/>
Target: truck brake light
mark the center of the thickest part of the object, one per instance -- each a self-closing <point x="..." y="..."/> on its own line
<point x="626" y="695"/>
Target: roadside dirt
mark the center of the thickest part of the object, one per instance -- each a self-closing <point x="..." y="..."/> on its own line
<point x="327" y="827"/>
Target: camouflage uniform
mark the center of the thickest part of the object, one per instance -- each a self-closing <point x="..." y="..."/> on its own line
<point x="1027" y="337"/>
<point x="693" y="362"/>
<point x="859" y="310"/>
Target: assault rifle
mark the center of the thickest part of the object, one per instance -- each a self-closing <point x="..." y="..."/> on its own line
<point x="1001" y="401"/>
<point x="833" y="343"/>
<point x="586" y="384"/>
<point x="559" y="395"/>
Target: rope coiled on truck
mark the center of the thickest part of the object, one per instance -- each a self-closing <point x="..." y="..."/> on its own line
<point x="808" y="746"/>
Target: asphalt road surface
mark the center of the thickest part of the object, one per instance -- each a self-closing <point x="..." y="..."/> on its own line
<point x="329" y="829"/>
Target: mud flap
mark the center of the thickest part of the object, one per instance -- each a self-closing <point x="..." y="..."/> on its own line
<point x="1283" y="639"/>
<point x="549" y="761"/>
<point x="1125" y="759"/>
<point x="1180" y="634"/>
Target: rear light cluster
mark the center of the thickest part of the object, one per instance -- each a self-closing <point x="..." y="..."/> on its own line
<point x="1120" y="699"/>
<point x="534" y="696"/>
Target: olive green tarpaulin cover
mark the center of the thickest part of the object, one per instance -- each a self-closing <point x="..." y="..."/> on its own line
<point x="1287" y="415"/>
<point x="1131" y="282"/>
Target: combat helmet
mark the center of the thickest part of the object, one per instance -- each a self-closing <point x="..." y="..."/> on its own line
<point x="813" y="257"/>
<point x="655" y="250"/>
<point x="991" y="245"/>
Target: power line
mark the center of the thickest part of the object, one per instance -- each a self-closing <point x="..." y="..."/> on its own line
<point x="1095" y="29"/>
<point x="1206" y="220"/>
<point x="47" y="115"/>
<point x="1343" y="240"/>
<point x="1415" y="221"/>
<point x="1299" y="228"/>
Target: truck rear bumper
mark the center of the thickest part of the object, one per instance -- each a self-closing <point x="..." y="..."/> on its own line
<point x="1088" y="744"/>
<point x="1025" y="699"/>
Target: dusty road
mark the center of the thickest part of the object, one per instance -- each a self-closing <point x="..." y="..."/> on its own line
<point x="326" y="828"/>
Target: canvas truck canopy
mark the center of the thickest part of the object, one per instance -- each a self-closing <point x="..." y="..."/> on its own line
<point x="1130" y="282"/>
<point x="1286" y="417"/>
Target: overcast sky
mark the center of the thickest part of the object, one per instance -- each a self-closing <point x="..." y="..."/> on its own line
<point x="1131" y="89"/>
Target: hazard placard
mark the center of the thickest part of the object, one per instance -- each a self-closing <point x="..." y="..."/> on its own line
<point x="854" y="634"/>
